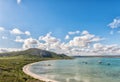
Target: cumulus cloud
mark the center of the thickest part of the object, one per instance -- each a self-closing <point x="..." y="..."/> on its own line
<point x="19" y="39"/>
<point x="2" y="29"/>
<point x="85" y="32"/>
<point x="76" y="46"/>
<point x="48" y="42"/>
<point x="113" y="49"/>
<point x="30" y="43"/>
<point x="98" y="46"/>
<point x="48" y="38"/>
<point x="115" y="23"/>
<point x="27" y="33"/>
<point x="96" y="39"/>
<point x="84" y="40"/>
<point x="83" y="44"/>
<point x="17" y="31"/>
<point x="78" y="42"/>
<point x="72" y="33"/>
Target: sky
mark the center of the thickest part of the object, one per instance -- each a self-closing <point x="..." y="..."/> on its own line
<point x="72" y="27"/>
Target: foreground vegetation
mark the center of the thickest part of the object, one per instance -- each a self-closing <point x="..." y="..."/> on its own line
<point x="11" y="69"/>
<point x="11" y="64"/>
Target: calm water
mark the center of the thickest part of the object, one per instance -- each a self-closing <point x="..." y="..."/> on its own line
<point x="80" y="70"/>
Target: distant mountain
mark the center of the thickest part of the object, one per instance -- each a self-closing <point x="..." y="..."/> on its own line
<point x="34" y="52"/>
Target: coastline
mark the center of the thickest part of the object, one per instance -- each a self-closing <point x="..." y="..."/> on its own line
<point x="26" y="70"/>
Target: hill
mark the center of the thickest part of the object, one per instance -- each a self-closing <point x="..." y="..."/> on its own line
<point x="34" y="52"/>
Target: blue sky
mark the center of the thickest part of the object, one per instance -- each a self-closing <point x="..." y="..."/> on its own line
<point x="40" y="17"/>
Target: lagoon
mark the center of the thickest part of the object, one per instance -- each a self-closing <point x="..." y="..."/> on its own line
<point x="79" y="70"/>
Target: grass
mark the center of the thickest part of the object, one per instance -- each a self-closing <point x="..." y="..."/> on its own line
<point x="11" y="69"/>
<point x="11" y="65"/>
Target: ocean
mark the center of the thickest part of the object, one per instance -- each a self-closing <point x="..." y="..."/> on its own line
<point x="79" y="70"/>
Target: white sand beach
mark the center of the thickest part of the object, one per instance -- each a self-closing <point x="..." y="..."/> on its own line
<point x="26" y="70"/>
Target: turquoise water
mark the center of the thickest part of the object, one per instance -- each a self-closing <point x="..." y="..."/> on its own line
<point x="80" y="70"/>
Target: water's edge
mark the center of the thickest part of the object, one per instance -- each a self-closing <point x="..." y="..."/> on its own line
<point x="77" y="70"/>
<point x="26" y="70"/>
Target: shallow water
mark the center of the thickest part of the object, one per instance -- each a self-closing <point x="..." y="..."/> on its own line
<point x="80" y="70"/>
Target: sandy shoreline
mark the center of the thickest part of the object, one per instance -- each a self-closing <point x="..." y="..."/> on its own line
<point x="26" y="70"/>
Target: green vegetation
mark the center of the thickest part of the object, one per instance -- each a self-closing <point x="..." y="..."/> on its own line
<point x="11" y="69"/>
<point x="11" y="65"/>
<point x="34" y="52"/>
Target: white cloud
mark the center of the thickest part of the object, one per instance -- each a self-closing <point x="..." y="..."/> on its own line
<point x="1" y="29"/>
<point x="27" y="33"/>
<point x="72" y="33"/>
<point x="96" y="39"/>
<point x="67" y="37"/>
<point x="101" y="49"/>
<point x="48" y="38"/>
<point x="78" y="42"/>
<point x="3" y="50"/>
<point x="19" y="39"/>
<point x="98" y="46"/>
<point x="83" y="41"/>
<point x="30" y="43"/>
<point x="79" y="45"/>
<point x="49" y="42"/>
<point x="16" y="31"/>
<point x="85" y="32"/>
<point x="18" y="1"/>
<point x="115" y="23"/>
<point x="82" y="44"/>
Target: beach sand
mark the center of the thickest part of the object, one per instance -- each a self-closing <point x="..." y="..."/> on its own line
<point x="26" y="70"/>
